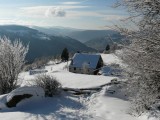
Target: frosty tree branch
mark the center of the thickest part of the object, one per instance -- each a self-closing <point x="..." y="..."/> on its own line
<point x="142" y="53"/>
<point x="12" y="58"/>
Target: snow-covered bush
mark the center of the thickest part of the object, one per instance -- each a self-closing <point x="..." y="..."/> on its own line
<point x="12" y="56"/>
<point x="50" y="85"/>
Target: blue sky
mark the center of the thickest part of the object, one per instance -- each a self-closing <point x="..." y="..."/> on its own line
<point x="83" y="14"/>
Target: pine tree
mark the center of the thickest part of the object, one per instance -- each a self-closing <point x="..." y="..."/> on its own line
<point x="107" y="47"/>
<point x="65" y="55"/>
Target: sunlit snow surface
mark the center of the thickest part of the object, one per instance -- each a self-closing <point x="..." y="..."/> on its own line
<point x="97" y="106"/>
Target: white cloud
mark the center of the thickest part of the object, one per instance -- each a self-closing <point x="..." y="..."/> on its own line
<point x="34" y="11"/>
<point x="83" y="14"/>
<point x="114" y="17"/>
<point x="14" y="21"/>
<point x="69" y="11"/>
<point x="42" y="8"/>
<point x="49" y="11"/>
<point x="71" y="3"/>
<point x="24" y="22"/>
<point x="102" y="16"/>
<point x="55" y="12"/>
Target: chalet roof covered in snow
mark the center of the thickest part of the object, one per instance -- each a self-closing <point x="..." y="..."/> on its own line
<point x="79" y="59"/>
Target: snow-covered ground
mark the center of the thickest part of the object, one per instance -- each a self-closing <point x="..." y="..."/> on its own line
<point x="96" y="106"/>
<point x="68" y="79"/>
<point x="110" y="58"/>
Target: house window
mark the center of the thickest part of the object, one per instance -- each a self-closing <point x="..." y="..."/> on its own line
<point x="74" y="68"/>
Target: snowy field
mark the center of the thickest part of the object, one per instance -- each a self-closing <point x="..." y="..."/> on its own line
<point x="96" y="106"/>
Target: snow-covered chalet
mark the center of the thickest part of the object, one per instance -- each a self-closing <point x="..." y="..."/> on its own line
<point x="86" y="63"/>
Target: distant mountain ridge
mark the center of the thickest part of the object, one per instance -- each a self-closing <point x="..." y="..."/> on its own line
<point x="78" y="34"/>
<point x="87" y="35"/>
<point x="41" y="44"/>
<point x="101" y="42"/>
<point x="56" y="31"/>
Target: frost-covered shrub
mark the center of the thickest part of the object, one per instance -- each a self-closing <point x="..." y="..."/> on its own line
<point x="50" y="85"/>
<point x="12" y="58"/>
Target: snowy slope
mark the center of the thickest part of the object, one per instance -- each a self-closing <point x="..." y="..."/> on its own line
<point x="110" y="58"/>
<point x="97" y="106"/>
<point x="72" y="80"/>
<point x="110" y="107"/>
<point x="68" y="79"/>
<point x="62" y="107"/>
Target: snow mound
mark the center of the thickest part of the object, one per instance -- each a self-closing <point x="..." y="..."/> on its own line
<point x="110" y="59"/>
<point x="33" y="90"/>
